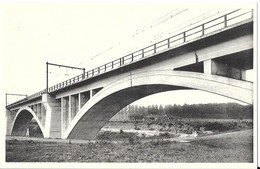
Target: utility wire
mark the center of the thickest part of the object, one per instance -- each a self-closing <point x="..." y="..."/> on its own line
<point x="170" y="15"/>
<point x="191" y="22"/>
<point x="151" y="25"/>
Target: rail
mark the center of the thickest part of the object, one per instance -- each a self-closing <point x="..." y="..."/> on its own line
<point x="185" y="36"/>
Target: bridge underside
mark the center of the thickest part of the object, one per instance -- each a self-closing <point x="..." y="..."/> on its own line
<point x="22" y="123"/>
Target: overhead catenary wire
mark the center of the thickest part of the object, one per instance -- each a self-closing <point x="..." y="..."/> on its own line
<point x="162" y="19"/>
<point x="154" y="23"/>
<point x="192" y="22"/>
<point x="172" y="13"/>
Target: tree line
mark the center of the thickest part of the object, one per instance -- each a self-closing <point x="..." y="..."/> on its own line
<point x="212" y="110"/>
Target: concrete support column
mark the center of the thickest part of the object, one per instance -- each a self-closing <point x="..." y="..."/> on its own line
<point x="38" y="109"/>
<point x="91" y="94"/>
<point x="64" y="113"/>
<point x="9" y="122"/>
<point x="207" y="66"/>
<point x="74" y="105"/>
<point x="53" y="116"/>
<point x="63" y="123"/>
<point x="69" y="117"/>
<point x="243" y="74"/>
<point x="41" y="113"/>
<point x="79" y="98"/>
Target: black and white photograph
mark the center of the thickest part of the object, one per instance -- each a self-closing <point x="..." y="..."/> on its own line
<point x="128" y="84"/>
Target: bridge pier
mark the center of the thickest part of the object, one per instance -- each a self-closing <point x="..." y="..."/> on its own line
<point x="9" y="122"/>
<point x="53" y="116"/>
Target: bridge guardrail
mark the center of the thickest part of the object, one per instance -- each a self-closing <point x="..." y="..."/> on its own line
<point x="187" y="35"/>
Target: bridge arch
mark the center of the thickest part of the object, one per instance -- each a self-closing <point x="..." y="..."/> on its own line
<point x="22" y="121"/>
<point x="118" y="94"/>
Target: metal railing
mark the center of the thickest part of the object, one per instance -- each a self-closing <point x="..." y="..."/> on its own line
<point x="203" y="29"/>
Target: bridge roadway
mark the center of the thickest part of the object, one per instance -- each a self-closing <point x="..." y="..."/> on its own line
<point x="212" y="57"/>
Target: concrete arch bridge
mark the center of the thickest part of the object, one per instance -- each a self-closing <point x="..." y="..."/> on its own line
<point x="202" y="58"/>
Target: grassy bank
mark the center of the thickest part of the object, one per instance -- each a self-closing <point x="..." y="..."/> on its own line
<point x="237" y="147"/>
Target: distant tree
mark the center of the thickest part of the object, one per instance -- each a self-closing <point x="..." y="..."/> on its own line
<point x="215" y="111"/>
<point x="161" y="110"/>
<point x="136" y="117"/>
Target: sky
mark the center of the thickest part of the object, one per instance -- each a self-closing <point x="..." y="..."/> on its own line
<point x="88" y="35"/>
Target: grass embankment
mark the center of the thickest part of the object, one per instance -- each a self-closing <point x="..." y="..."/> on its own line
<point x="236" y="147"/>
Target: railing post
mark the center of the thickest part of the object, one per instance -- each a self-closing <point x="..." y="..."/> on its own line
<point x="83" y="75"/>
<point x="168" y="42"/>
<point x="105" y="67"/>
<point x="98" y="70"/>
<point x="132" y="57"/>
<point x="225" y="21"/>
<point x="154" y="47"/>
<point x="93" y="72"/>
<point x="112" y="64"/>
<point x="184" y="36"/>
<point x="142" y="52"/>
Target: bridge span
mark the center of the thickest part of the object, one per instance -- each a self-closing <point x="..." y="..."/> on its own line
<point x="212" y="57"/>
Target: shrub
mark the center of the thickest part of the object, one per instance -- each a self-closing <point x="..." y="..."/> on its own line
<point x="108" y="135"/>
<point x="164" y="134"/>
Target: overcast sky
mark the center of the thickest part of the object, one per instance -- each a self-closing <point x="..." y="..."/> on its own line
<point x="89" y="35"/>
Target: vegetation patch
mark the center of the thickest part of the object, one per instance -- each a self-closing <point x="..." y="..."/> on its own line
<point x="235" y="147"/>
